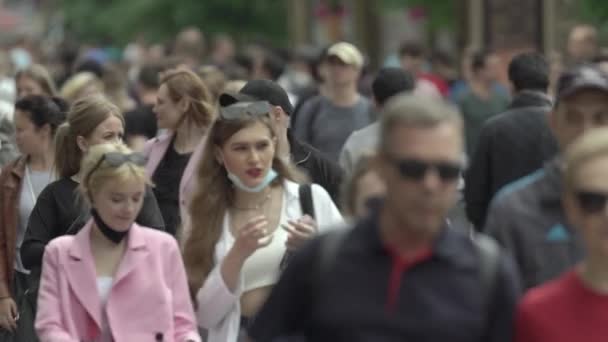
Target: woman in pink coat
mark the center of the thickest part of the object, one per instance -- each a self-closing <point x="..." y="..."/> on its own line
<point x="114" y="280"/>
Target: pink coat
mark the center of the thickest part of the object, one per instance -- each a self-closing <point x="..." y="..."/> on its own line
<point x="149" y="295"/>
<point x="155" y="150"/>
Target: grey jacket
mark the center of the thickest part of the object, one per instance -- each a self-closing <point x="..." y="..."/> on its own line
<point x="527" y="218"/>
<point x="359" y="143"/>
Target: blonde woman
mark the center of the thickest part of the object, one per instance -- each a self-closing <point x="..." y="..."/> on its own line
<point x="81" y="85"/>
<point x="114" y="280"/>
<point x="184" y="110"/>
<point x="59" y="210"/>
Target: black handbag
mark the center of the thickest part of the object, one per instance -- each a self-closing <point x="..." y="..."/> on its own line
<point x="26" y="306"/>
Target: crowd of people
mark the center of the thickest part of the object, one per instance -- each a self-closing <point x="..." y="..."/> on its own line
<point x="257" y="195"/>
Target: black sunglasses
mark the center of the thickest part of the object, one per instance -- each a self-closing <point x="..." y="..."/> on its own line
<point x="417" y="169"/>
<point x="241" y="110"/>
<point x="591" y="202"/>
<point x="116" y="159"/>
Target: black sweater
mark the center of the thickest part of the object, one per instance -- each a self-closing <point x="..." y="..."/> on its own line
<point x="59" y="210"/>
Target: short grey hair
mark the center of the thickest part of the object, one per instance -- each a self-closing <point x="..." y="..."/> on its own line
<point x="416" y="111"/>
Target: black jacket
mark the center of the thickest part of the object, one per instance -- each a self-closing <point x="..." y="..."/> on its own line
<point x="346" y="297"/>
<point x="511" y="145"/>
<point x="321" y="170"/>
<point x="59" y="211"/>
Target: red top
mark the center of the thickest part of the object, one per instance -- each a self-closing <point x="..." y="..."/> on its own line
<point x="563" y="310"/>
<point x="441" y="85"/>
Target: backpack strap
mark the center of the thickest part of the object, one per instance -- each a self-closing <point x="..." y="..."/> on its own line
<point x="306" y="201"/>
<point x="489" y="254"/>
<point x="330" y="245"/>
<point x="308" y="208"/>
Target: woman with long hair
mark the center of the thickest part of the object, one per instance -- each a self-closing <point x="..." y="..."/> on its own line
<point x="36" y="121"/>
<point x="59" y="210"/>
<point x="184" y="109"/>
<point x="114" y="280"/>
<point x="247" y="216"/>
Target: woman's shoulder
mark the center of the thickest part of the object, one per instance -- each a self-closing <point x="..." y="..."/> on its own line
<point x="63" y="183"/>
<point x="156" y="238"/>
<point x="316" y="190"/>
<point x="152" y="143"/>
<point x="17" y="165"/>
<point x="60" y="244"/>
<point x="62" y="187"/>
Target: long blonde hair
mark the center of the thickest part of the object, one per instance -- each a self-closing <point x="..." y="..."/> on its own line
<point x="214" y="194"/>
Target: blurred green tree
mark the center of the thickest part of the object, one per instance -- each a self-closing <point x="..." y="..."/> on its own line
<point x="158" y="20"/>
<point x="594" y="12"/>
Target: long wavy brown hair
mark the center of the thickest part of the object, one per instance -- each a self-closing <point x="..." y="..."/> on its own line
<point x="214" y="194"/>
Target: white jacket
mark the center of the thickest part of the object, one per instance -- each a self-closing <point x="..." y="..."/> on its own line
<point x="218" y="308"/>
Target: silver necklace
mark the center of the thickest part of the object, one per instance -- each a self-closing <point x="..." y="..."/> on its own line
<point x="258" y="206"/>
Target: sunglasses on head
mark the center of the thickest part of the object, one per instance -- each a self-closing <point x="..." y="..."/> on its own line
<point x="242" y="110"/>
<point x="116" y="159"/>
<point x="592" y="202"/>
<point x="417" y="169"/>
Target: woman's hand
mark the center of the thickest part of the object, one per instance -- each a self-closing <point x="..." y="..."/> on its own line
<point x="251" y="237"/>
<point x="248" y="239"/>
<point x="8" y="314"/>
<point x="300" y="231"/>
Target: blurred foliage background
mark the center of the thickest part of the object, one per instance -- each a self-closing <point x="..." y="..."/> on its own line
<point x="157" y="20"/>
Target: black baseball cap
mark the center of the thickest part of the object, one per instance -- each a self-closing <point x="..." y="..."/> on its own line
<point x="580" y="78"/>
<point x="266" y="90"/>
<point x="228" y="99"/>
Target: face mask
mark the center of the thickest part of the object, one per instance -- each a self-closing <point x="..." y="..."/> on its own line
<point x="107" y="231"/>
<point x="271" y="175"/>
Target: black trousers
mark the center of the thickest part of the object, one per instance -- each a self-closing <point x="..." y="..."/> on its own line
<point x="26" y="303"/>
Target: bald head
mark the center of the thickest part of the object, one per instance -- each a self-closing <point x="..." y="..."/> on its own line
<point x="582" y="43"/>
<point x="190" y="44"/>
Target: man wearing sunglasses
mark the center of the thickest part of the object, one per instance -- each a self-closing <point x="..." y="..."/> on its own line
<point x="526" y="216"/>
<point x="403" y="273"/>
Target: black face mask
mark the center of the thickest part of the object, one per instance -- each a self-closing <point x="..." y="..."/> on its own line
<point x="107" y="231"/>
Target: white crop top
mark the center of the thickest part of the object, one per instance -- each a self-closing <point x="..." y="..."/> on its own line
<point x="262" y="268"/>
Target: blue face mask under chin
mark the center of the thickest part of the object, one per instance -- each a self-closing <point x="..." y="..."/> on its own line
<point x="271" y="175"/>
